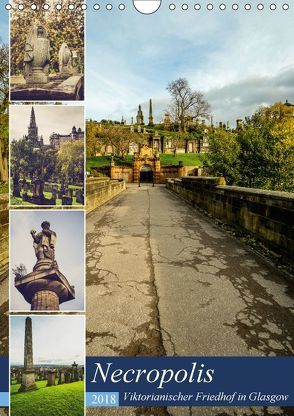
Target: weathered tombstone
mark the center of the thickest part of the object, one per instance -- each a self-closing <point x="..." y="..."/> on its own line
<point x="37" y="56"/>
<point x="54" y="196"/>
<point x="80" y="197"/>
<point x="64" y="56"/>
<point x="75" y="62"/>
<point x="16" y="187"/>
<point x="51" y="378"/>
<point x="61" y="378"/>
<point x="75" y="374"/>
<point x="19" y="377"/>
<point x="66" y="200"/>
<point x="67" y="377"/>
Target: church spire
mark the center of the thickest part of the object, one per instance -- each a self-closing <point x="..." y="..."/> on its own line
<point x="33" y="129"/>
<point x="150" y="114"/>
<point x="33" y="119"/>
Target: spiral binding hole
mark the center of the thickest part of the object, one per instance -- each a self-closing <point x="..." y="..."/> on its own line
<point x="172" y="6"/>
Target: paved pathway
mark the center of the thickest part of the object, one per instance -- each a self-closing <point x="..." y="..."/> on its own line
<point x="162" y="279"/>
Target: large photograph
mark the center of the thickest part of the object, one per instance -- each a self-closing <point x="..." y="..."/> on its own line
<point x="193" y="138"/>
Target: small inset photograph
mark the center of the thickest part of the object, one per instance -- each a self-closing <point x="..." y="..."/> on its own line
<point x="47" y="260"/>
<point x="47" y="51"/>
<point x="46" y="155"/>
<point x="47" y="365"/>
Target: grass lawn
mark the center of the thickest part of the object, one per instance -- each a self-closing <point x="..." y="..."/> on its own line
<point x="18" y="201"/>
<point x="188" y="159"/>
<point x="59" y="400"/>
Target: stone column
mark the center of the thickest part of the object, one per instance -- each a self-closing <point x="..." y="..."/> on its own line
<point x="181" y="170"/>
<point x="45" y="300"/>
<point x="28" y="376"/>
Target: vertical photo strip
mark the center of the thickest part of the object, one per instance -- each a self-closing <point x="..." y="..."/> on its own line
<point x="46" y="51"/>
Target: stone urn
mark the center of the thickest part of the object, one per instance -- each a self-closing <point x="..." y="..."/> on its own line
<point x="37" y="56"/>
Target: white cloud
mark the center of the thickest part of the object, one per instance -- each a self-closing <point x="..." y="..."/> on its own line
<point x="56" y="339"/>
<point x="136" y="56"/>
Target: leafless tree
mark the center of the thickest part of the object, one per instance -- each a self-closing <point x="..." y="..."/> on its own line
<point x="186" y="104"/>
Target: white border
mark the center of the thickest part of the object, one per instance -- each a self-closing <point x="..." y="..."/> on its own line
<point x="11" y="278"/>
<point x="31" y="206"/>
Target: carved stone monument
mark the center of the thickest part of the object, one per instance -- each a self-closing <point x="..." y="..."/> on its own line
<point x="65" y="59"/>
<point x="51" y="378"/>
<point x="28" y="375"/>
<point x="46" y="287"/>
<point x="37" y="56"/>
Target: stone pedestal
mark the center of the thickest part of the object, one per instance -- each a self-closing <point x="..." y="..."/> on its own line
<point x="37" y="76"/>
<point x="28" y="381"/>
<point x="51" y="378"/>
<point x="58" y="88"/>
<point x="45" y="289"/>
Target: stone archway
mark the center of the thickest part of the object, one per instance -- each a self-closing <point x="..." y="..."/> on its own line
<point x="146" y="174"/>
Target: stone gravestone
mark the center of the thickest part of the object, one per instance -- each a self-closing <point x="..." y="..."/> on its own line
<point x="16" y="187"/>
<point x="75" y="62"/>
<point x="67" y="377"/>
<point x="61" y="378"/>
<point x="19" y="377"/>
<point x="54" y="196"/>
<point x="37" y="56"/>
<point x="66" y="200"/>
<point x="51" y="378"/>
<point x="65" y="58"/>
<point x="80" y="197"/>
<point x="28" y="376"/>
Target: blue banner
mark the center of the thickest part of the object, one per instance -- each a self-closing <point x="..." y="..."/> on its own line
<point x="4" y="377"/>
<point x="189" y="381"/>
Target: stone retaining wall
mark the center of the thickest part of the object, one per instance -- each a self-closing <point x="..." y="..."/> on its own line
<point x="4" y="218"/>
<point x="101" y="190"/>
<point x="267" y="215"/>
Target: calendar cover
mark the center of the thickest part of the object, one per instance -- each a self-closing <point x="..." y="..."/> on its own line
<point x="147" y="189"/>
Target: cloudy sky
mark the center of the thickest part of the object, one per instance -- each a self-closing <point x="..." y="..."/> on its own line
<point x="69" y="227"/>
<point x="50" y="119"/>
<point x="239" y="59"/>
<point x="56" y="339"/>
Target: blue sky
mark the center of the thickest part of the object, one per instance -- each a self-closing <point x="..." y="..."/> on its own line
<point x="69" y="227"/>
<point x="238" y="59"/>
<point x="57" y="340"/>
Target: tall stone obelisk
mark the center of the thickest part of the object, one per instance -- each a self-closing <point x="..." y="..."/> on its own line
<point x="150" y="114"/>
<point x="28" y="376"/>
